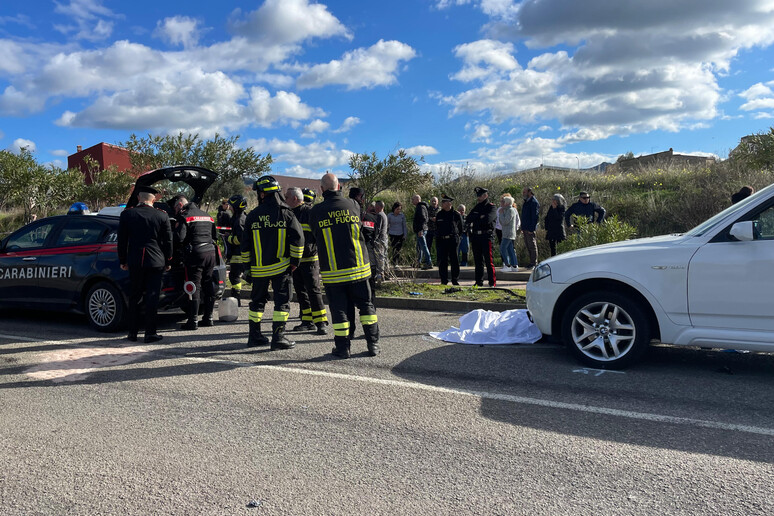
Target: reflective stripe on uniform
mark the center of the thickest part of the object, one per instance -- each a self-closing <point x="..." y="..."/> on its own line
<point x="263" y="271"/>
<point x="281" y="236"/>
<point x="296" y="252"/>
<point x="257" y="247"/>
<point x="255" y="316"/>
<point x="358" y="246"/>
<point x="310" y="259"/>
<point x="280" y="316"/>
<point x="328" y="237"/>
<point x="320" y="316"/>
<point x="346" y="275"/>
<point x="341" y="329"/>
<point x="306" y="314"/>
<point x="306" y="227"/>
<point x="367" y="320"/>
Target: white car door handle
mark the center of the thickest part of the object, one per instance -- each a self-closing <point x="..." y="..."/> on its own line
<point x="29" y="259"/>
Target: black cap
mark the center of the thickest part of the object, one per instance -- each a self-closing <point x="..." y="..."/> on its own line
<point x="446" y="198"/>
<point x="146" y="189"/>
<point x="480" y="191"/>
<point x="584" y="194"/>
<point x="355" y="192"/>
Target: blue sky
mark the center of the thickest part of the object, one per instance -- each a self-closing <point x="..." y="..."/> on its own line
<point x="498" y="85"/>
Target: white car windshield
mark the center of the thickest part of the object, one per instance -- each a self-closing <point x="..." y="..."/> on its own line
<point x="739" y="207"/>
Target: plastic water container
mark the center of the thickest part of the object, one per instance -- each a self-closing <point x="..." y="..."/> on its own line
<point x="228" y="311"/>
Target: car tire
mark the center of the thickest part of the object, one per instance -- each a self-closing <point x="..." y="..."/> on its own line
<point x="606" y="330"/>
<point x="104" y="307"/>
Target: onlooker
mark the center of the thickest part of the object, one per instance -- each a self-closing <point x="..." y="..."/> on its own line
<point x="509" y="220"/>
<point x="420" y="228"/>
<point x="481" y="221"/>
<point x="432" y="211"/>
<point x="397" y="229"/>
<point x="584" y="208"/>
<point x="555" y="222"/>
<point x="743" y="193"/>
<point x="380" y="241"/>
<point x="463" y="247"/>
<point x="144" y="249"/>
<point x="530" y="212"/>
<point x="498" y="224"/>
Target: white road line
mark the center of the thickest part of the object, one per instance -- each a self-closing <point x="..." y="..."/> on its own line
<point x="645" y="416"/>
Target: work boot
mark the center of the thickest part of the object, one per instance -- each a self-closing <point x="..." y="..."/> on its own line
<point x="255" y="338"/>
<point x="305" y="326"/>
<point x="193" y="314"/>
<point x="278" y="339"/>
<point x="372" y="338"/>
<point x="209" y="306"/>
<point x="342" y="347"/>
<point x="321" y="328"/>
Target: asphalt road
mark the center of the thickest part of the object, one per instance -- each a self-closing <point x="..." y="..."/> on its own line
<point x="93" y="424"/>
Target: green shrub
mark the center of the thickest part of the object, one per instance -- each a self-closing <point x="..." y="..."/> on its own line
<point x="587" y="234"/>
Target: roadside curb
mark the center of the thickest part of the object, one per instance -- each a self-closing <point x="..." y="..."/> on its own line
<point x="442" y="305"/>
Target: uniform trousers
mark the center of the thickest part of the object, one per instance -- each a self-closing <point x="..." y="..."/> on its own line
<point x="198" y="269"/>
<point x="446" y="247"/>
<point x="280" y="284"/>
<point x="482" y="256"/>
<point x="343" y="295"/>
<point x="147" y="280"/>
<point x="306" y="281"/>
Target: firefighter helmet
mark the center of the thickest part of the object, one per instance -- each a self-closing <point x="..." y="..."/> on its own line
<point x="237" y="202"/>
<point x="266" y="184"/>
<point x="309" y="194"/>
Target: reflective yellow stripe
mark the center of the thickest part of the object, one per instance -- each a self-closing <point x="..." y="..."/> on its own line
<point x="245" y="256"/>
<point x="306" y="314"/>
<point x="296" y="252"/>
<point x="367" y="320"/>
<point x="281" y="235"/>
<point x="320" y="316"/>
<point x="262" y="271"/>
<point x="306" y="227"/>
<point x="341" y="329"/>
<point x="280" y="316"/>
<point x="345" y="275"/>
<point x="255" y="316"/>
<point x="310" y="259"/>
<point x="328" y="237"/>
<point x="237" y="258"/>
<point x="233" y="239"/>
<point x="236" y="286"/>
<point x="356" y="242"/>
<point x="258" y="248"/>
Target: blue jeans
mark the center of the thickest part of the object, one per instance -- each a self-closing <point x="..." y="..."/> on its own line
<point x="463" y="249"/>
<point x="508" y="253"/>
<point x="423" y="253"/>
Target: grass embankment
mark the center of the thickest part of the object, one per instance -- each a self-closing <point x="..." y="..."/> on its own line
<point x="461" y="293"/>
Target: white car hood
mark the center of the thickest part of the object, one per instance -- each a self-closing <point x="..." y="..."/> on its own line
<point x="658" y="242"/>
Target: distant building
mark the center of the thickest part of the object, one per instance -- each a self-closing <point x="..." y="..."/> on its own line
<point x="665" y="158"/>
<point x="104" y="154"/>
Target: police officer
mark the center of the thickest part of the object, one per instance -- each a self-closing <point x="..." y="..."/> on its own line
<point x="272" y="246"/>
<point x="306" y="278"/>
<point x="196" y="234"/>
<point x="481" y="223"/>
<point x="344" y="266"/>
<point x="448" y="227"/>
<point x="236" y="268"/>
<point x="144" y="249"/>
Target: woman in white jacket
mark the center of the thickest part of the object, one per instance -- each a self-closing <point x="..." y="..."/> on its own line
<point x="509" y="219"/>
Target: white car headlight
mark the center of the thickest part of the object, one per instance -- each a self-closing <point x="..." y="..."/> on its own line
<point x="540" y="272"/>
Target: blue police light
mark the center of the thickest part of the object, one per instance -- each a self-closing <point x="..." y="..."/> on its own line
<point x="78" y="208"/>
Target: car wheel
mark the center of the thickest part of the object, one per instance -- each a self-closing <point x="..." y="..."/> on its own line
<point x="105" y="307"/>
<point x="606" y="330"/>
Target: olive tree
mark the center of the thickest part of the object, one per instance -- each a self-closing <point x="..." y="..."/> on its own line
<point x="399" y="172"/>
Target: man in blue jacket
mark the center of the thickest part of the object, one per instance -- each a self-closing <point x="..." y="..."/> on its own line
<point x="530" y="212"/>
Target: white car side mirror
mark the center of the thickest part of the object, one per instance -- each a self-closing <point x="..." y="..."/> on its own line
<point x="743" y="231"/>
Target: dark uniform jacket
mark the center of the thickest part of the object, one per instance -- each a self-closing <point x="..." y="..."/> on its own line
<point x="235" y="238"/>
<point x="335" y="225"/>
<point x="432" y="212"/>
<point x="555" y="224"/>
<point x="310" y="246"/>
<point x="420" y="217"/>
<point x="224" y="218"/>
<point x="272" y="240"/>
<point x="368" y="220"/>
<point x="144" y="237"/>
<point x="530" y="213"/>
<point x="196" y="233"/>
<point x="481" y="220"/>
<point x="449" y="224"/>
<point x="585" y="210"/>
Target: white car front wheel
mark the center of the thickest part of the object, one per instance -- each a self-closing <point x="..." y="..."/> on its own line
<point x="605" y="330"/>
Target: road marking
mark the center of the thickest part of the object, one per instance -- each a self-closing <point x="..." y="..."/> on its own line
<point x="596" y="372"/>
<point x="71" y="365"/>
<point x="645" y="416"/>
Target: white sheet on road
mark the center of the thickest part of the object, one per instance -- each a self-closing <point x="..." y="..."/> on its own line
<point x="487" y="327"/>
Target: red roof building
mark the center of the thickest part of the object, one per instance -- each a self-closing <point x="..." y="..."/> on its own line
<point x="104" y="154"/>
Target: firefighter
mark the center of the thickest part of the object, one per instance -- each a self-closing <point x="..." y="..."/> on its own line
<point x="145" y="250"/>
<point x="196" y="235"/>
<point x="272" y="246"/>
<point x="306" y="278"/>
<point x="234" y="240"/>
<point x="449" y="227"/>
<point x="344" y="266"/>
<point x="480" y="223"/>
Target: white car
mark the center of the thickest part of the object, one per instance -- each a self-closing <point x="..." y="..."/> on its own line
<point x="711" y="287"/>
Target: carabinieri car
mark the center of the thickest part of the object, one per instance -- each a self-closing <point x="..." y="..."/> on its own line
<point x="70" y="262"/>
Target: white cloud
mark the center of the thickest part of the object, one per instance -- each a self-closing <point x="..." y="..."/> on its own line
<point x="282" y="107"/>
<point x="484" y="58"/>
<point x="759" y="97"/>
<point x="89" y="18"/>
<point x="481" y="133"/>
<point x="318" y="156"/>
<point x="179" y="30"/>
<point x="21" y="143"/>
<point x="444" y="4"/>
<point x="369" y="67"/>
<point x="59" y="152"/>
<point x="287" y="22"/>
<point x="421" y="150"/>
<point x="348" y="124"/>
<point x="314" y="127"/>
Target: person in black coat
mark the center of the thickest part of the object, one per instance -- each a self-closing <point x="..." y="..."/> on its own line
<point x="584" y="208"/>
<point x="144" y="249"/>
<point x="554" y="222"/>
<point x="449" y="227"/>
